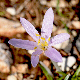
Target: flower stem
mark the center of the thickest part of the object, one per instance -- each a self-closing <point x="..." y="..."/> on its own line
<point x="56" y="66"/>
<point x="47" y="69"/>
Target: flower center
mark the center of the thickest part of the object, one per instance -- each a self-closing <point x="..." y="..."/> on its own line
<point x="42" y="43"/>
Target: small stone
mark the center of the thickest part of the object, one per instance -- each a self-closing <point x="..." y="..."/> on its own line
<point x="68" y="47"/>
<point x="71" y="61"/>
<point x="46" y="62"/>
<point x="22" y="68"/>
<point x="43" y="2"/>
<point x="76" y="24"/>
<point x="15" y="76"/>
<point x="67" y="63"/>
<point x="11" y="77"/>
<point x="5" y="58"/>
<point x="62" y="31"/>
<point x="20" y="76"/>
<point x="3" y="46"/>
<point x="11" y="10"/>
<point x="54" y="28"/>
<point x="75" y="66"/>
<point x="57" y="46"/>
<point x="67" y="68"/>
<point x="31" y="51"/>
<point x="4" y="67"/>
<point x="9" y="28"/>
<point x="74" y="33"/>
<point x="62" y="45"/>
<point x="78" y="43"/>
<point x="13" y="69"/>
<point x="63" y="4"/>
<point x="62" y="64"/>
<point x="74" y="2"/>
<point x="53" y="3"/>
<point x="31" y="77"/>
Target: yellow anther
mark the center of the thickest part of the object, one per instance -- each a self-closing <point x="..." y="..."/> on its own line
<point x="37" y="35"/>
<point x="35" y="48"/>
<point x="42" y="38"/>
<point x="46" y="44"/>
<point x="42" y="44"/>
<point x="48" y="39"/>
<point x="43" y="48"/>
<point x="38" y="41"/>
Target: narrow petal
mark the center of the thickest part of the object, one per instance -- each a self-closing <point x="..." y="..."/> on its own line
<point x="24" y="44"/>
<point x="30" y="29"/>
<point x="35" y="57"/>
<point x="59" y="38"/>
<point x="47" y="25"/>
<point x="53" y="54"/>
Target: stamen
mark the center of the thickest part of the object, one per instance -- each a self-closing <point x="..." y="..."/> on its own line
<point x="48" y="39"/>
<point x="38" y="41"/>
<point x="42" y="44"/>
<point x="37" y="35"/>
<point x="46" y="44"/>
<point x="43" y="48"/>
<point x="35" y="47"/>
<point x="42" y="38"/>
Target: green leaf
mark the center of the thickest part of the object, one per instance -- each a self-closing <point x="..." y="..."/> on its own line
<point x="76" y="75"/>
<point x="61" y="78"/>
<point x="45" y="73"/>
<point x="62" y="73"/>
<point x="67" y="77"/>
<point x="60" y="14"/>
<point x="65" y="26"/>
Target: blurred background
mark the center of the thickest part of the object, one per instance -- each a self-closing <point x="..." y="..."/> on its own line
<point x="15" y="63"/>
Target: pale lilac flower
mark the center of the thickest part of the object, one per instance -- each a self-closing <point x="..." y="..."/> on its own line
<point x="43" y="42"/>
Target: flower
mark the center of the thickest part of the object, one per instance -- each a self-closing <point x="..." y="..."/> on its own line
<point x="43" y="42"/>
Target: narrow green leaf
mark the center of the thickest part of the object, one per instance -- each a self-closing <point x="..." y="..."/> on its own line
<point x="62" y="73"/>
<point x="61" y="78"/>
<point x="60" y="14"/>
<point x="65" y="26"/>
<point x="67" y="77"/>
<point x="76" y="74"/>
<point x="45" y="73"/>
